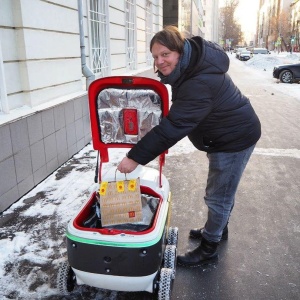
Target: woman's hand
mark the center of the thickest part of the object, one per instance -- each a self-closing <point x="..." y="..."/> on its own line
<point x="127" y="165"/>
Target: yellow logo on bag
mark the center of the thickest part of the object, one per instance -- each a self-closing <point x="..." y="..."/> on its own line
<point x="103" y="188"/>
<point x="132" y="185"/>
<point x="120" y="186"/>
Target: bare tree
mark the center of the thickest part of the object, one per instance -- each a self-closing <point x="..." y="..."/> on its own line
<point x="279" y="30"/>
<point x="284" y="29"/>
<point x="231" y="28"/>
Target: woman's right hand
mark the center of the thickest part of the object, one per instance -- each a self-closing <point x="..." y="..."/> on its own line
<point x="127" y="165"/>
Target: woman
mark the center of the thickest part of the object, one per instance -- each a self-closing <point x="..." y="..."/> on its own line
<point x="217" y="118"/>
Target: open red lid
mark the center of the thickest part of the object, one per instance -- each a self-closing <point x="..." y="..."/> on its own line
<point x="123" y="109"/>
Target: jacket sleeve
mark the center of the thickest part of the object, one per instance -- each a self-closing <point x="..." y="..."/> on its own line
<point x="190" y="107"/>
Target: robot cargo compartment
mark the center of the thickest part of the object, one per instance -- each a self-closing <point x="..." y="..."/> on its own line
<point x="87" y="219"/>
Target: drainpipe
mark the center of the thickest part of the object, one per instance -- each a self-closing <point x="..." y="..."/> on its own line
<point x="86" y="71"/>
<point x="3" y="94"/>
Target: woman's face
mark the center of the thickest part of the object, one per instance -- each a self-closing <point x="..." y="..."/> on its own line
<point x="165" y="60"/>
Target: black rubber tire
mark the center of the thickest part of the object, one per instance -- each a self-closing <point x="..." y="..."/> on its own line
<point x="170" y="259"/>
<point x="66" y="279"/>
<point x="165" y="284"/>
<point x="286" y="76"/>
<point x="172" y="238"/>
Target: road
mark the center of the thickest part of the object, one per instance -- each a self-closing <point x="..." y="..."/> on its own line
<point x="259" y="261"/>
<point x="261" y="258"/>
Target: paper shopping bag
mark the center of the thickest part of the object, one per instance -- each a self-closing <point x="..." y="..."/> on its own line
<point x="120" y="202"/>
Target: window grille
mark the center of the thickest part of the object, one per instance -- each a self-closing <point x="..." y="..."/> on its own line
<point x="130" y="34"/>
<point x="98" y="20"/>
<point x="149" y="32"/>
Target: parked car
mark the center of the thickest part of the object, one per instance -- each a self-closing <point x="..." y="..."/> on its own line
<point x="260" y="51"/>
<point x="287" y="73"/>
<point x="244" y="55"/>
<point x="238" y="52"/>
<point x="237" y="47"/>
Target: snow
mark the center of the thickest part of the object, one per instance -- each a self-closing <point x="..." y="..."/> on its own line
<point x="32" y="240"/>
<point x="268" y="61"/>
<point x="263" y="64"/>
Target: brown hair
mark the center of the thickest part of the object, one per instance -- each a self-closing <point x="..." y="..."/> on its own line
<point x="169" y="37"/>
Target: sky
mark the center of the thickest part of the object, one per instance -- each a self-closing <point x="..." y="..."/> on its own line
<point x="246" y="15"/>
<point x="31" y="242"/>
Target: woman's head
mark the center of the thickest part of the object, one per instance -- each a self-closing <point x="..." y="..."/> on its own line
<point x="169" y="37"/>
<point x="166" y="47"/>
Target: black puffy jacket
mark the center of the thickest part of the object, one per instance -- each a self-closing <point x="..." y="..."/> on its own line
<point x="206" y="106"/>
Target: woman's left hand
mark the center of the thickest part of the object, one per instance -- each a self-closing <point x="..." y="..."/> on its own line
<point x="127" y="165"/>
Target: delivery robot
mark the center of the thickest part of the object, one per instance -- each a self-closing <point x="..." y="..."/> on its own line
<point x="122" y="110"/>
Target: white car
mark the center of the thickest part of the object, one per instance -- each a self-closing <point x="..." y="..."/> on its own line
<point x="244" y="55"/>
<point x="239" y="51"/>
<point x="260" y="51"/>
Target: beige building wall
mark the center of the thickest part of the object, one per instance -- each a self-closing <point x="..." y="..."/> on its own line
<point x="44" y="114"/>
<point x="211" y="19"/>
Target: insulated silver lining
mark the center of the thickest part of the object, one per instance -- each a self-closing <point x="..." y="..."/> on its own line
<point x="112" y="101"/>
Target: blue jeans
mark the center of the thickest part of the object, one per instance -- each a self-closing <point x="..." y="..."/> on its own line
<point x="224" y="174"/>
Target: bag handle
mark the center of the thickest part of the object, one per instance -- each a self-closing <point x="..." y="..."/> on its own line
<point x="121" y="173"/>
<point x="161" y="161"/>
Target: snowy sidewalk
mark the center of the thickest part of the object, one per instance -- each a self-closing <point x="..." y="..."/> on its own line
<point x="259" y="261"/>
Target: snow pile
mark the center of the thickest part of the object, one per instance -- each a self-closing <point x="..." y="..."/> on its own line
<point x="267" y="62"/>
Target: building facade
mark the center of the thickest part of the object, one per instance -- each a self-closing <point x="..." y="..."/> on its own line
<point x="50" y="50"/>
<point x="193" y="17"/>
<point x="212" y="20"/>
<point x="295" y="26"/>
<point x="275" y="24"/>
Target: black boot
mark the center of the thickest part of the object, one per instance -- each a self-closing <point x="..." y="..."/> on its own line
<point x="203" y="254"/>
<point x="197" y="233"/>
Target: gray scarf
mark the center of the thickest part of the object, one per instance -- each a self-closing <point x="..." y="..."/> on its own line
<point x="181" y="66"/>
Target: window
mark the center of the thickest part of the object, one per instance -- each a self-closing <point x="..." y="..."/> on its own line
<point x="130" y="34"/>
<point x="98" y="19"/>
<point x="149" y="22"/>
